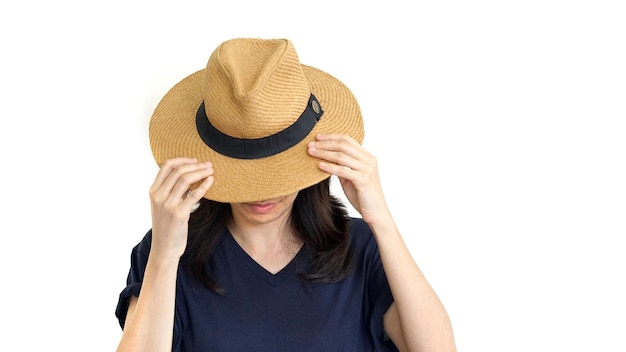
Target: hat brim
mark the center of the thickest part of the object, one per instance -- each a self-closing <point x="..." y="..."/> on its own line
<point x="173" y="134"/>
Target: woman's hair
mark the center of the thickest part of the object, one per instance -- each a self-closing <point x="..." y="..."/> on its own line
<point x="318" y="218"/>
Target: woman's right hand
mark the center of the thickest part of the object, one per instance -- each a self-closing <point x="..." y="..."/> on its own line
<point x="171" y="202"/>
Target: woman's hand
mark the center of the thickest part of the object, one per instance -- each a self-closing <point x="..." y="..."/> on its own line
<point x="171" y="202"/>
<point x="357" y="170"/>
<point x="416" y="321"/>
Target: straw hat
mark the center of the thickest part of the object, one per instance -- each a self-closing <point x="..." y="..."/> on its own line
<point x="251" y="112"/>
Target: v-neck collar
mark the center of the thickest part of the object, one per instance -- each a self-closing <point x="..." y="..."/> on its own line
<point x="273" y="279"/>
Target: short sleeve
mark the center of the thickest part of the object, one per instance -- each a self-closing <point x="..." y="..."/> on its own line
<point x="138" y="262"/>
<point x="379" y="296"/>
<point x="381" y="299"/>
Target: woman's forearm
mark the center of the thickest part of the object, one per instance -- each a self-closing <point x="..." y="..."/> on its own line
<point x="149" y="323"/>
<point x="423" y="319"/>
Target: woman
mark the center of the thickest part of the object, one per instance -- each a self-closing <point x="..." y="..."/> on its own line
<point x="269" y="260"/>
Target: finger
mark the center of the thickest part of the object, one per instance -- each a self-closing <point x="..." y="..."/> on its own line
<point x="194" y="196"/>
<point x="338" y="143"/>
<point x="182" y="178"/>
<point x="188" y="183"/>
<point x="341" y="151"/>
<point x="337" y="139"/>
<point x="167" y="167"/>
<point x="338" y="170"/>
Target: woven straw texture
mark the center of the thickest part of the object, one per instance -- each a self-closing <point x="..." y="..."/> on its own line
<point x="253" y="88"/>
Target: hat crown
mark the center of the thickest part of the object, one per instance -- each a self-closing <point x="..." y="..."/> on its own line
<point x="254" y="87"/>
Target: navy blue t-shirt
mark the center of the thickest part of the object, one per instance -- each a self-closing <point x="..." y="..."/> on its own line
<point x="275" y="312"/>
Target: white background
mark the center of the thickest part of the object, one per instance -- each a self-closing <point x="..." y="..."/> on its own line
<point x="499" y="127"/>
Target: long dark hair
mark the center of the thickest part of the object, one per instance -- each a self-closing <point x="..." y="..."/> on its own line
<point x="319" y="219"/>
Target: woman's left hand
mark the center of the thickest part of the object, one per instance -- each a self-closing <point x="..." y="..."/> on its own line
<point x="357" y="170"/>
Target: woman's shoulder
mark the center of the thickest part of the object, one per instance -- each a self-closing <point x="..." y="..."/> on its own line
<point x="358" y="226"/>
<point x="143" y="246"/>
<point x="361" y="236"/>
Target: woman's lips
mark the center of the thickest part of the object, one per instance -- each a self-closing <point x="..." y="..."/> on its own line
<point x="262" y="208"/>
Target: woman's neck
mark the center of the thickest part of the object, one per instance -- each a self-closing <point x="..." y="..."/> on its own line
<point x="271" y="245"/>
